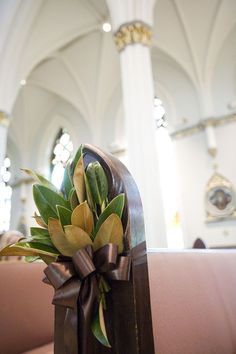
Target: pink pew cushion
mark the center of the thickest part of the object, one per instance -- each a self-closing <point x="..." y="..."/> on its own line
<point x="193" y="300"/>
<point x="26" y="313"/>
<point x="45" y="349"/>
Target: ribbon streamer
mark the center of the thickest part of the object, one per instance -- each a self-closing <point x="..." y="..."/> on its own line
<point x="76" y="287"/>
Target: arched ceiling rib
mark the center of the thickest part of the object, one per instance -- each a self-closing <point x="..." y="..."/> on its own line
<point x="191" y="33"/>
<point x="211" y="36"/>
<point x="15" y="41"/>
<point x="188" y="40"/>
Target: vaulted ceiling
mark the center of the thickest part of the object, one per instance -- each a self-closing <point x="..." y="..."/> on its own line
<point x="72" y="67"/>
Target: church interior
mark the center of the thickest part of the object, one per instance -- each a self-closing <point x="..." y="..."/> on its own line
<point x="161" y="100"/>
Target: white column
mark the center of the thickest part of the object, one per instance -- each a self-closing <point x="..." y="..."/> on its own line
<point x="3" y="135"/>
<point x="138" y="96"/>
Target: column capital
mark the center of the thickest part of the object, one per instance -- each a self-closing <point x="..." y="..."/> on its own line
<point x="4" y="119"/>
<point x="132" y="33"/>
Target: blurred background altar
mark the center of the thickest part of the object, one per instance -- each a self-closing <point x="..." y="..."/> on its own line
<point x="164" y="103"/>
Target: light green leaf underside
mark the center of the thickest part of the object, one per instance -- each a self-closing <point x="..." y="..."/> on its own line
<point x="98" y="327"/>
<point x="78" y="180"/>
<point x="83" y="217"/>
<point x="111" y="231"/>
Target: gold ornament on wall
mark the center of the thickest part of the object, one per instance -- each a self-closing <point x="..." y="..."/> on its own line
<point x="220" y="199"/>
<point x="131" y="33"/>
<point x="4" y="119"/>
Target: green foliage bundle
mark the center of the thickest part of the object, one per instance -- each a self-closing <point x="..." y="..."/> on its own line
<point x="78" y="215"/>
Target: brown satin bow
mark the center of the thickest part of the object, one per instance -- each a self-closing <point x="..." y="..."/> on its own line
<point x="76" y="288"/>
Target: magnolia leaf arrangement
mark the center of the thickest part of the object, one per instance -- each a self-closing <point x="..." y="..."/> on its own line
<point x="78" y="215"/>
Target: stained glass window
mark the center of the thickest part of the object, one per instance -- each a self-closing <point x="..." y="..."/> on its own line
<point x="159" y="113"/>
<point x="61" y="154"/>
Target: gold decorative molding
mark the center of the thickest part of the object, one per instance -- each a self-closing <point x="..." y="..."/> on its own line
<point x="4" y="119"/>
<point x="131" y="33"/>
<point x="214" y="122"/>
<point x="217" y="180"/>
<point x="212" y="151"/>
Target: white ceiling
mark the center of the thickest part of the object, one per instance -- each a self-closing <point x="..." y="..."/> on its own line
<point x="72" y="66"/>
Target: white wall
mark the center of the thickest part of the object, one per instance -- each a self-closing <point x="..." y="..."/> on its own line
<point x="195" y="167"/>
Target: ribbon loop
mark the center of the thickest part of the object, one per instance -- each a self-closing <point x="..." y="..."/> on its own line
<point x="122" y="270"/>
<point x="76" y="286"/>
<point x="106" y="257"/>
<point x="58" y="273"/>
<point x="83" y="262"/>
<point x="67" y="295"/>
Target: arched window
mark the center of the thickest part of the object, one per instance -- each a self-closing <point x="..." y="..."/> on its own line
<point x="61" y="154"/>
<point x="159" y="113"/>
<point x="5" y="195"/>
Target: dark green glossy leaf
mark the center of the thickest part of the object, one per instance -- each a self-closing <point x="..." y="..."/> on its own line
<point x="39" y="231"/>
<point x="89" y="193"/>
<point x="38" y="246"/>
<point x="76" y="159"/>
<point x="67" y="184"/>
<point x="64" y="215"/>
<point x="46" y="201"/>
<point x="73" y="199"/>
<point x="40" y="235"/>
<point x="40" y="179"/>
<point x="97" y="181"/>
<point x="42" y="239"/>
<point x="116" y="206"/>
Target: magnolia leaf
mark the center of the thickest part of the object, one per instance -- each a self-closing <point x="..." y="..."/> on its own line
<point x="44" y="207"/>
<point x="40" y="235"/>
<point x="116" y="206"/>
<point x="73" y="199"/>
<point x="78" y="180"/>
<point x="111" y="231"/>
<point x="89" y="193"/>
<point x="77" y="237"/>
<point x="31" y="259"/>
<point x="45" y="259"/>
<point x="12" y="250"/>
<point x="39" y="221"/>
<point x="98" y="327"/>
<point x="59" y="239"/>
<point x="47" y="250"/>
<point x="83" y="217"/>
<point x="67" y="184"/>
<point x="76" y="159"/>
<point x="64" y="215"/>
<point x="41" y="239"/>
<point x="40" y="179"/>
<point x="27" y="249"/>
<point x="46" y="201"/>
<point x="97" y="181"/>
<point x="39" y="231"/>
